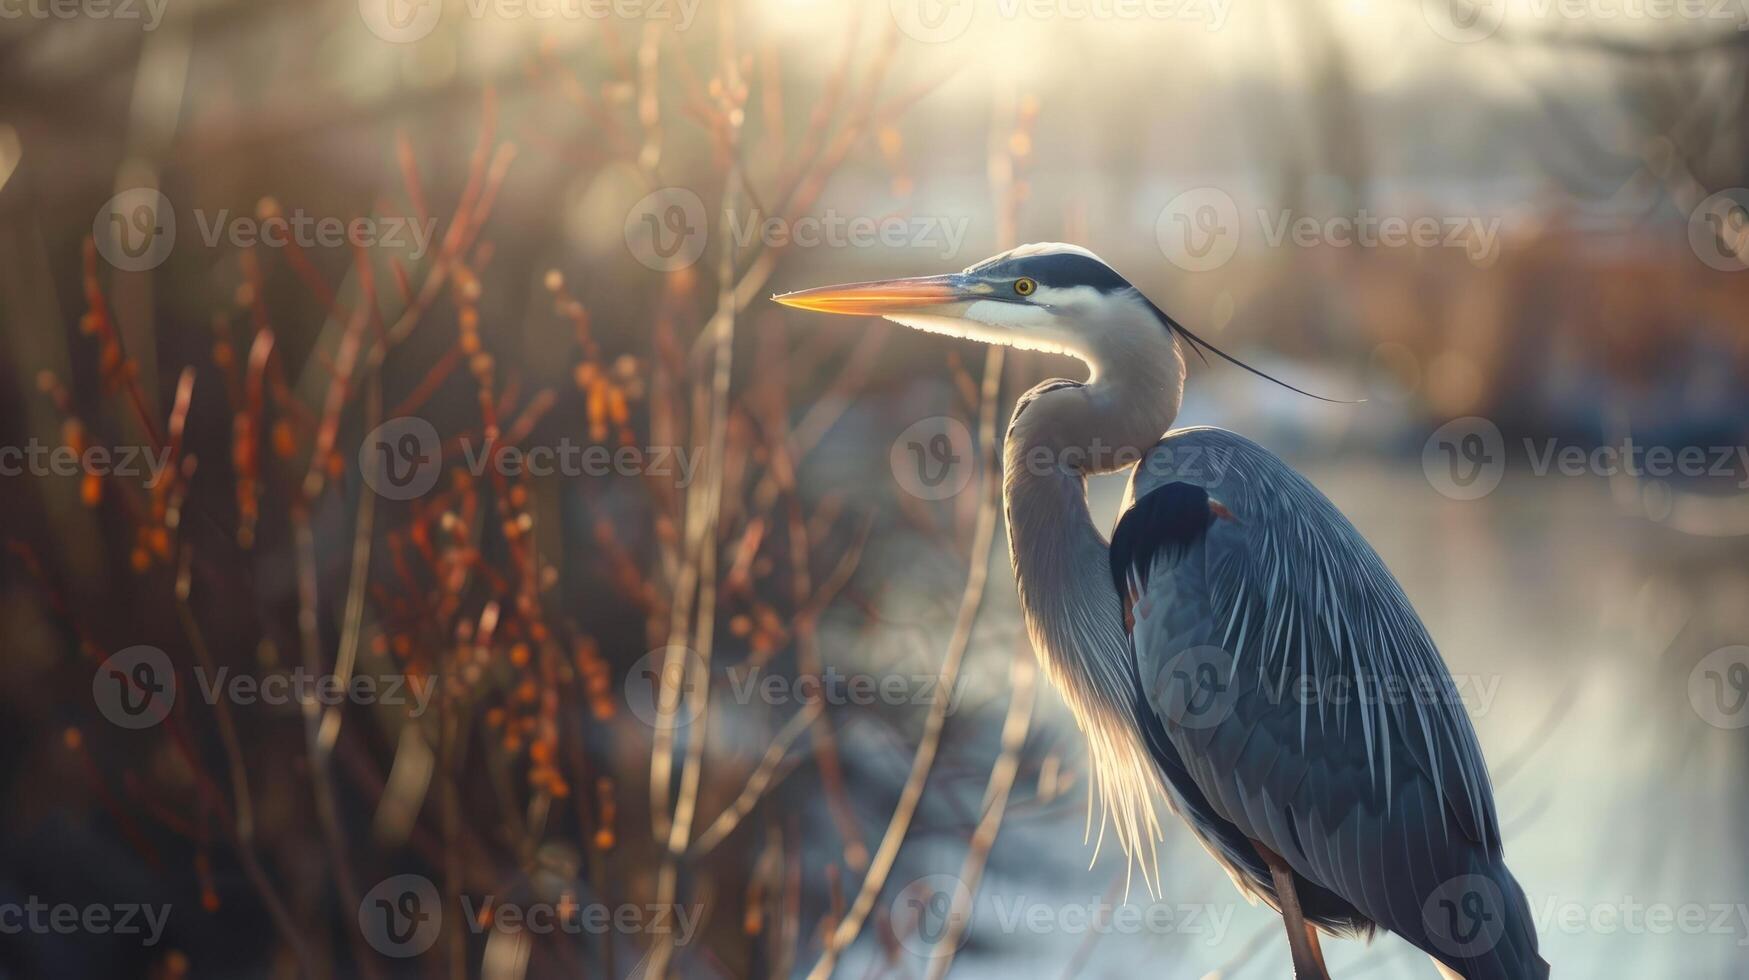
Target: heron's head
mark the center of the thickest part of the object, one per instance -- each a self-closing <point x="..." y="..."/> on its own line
<point x="1049" y="297"/>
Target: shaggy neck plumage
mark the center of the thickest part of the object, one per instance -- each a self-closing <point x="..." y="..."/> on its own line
<point x="1061" y="562"/>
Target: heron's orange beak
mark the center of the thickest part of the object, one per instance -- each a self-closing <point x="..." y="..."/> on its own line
<point x="883" y="297"/>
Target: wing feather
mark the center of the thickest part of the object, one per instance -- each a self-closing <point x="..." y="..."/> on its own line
<point x="1259" y="620"/>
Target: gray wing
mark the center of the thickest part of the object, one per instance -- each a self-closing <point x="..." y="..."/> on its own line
<point x="1293" y="688"/>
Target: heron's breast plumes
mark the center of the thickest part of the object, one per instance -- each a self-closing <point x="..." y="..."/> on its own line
<point x="1075" y="620"/>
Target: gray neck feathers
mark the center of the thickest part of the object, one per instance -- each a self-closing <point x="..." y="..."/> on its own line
<point x="1061" y="563"/>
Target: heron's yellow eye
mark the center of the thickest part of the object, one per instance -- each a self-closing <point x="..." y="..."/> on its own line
<point x="1025" y="286"/>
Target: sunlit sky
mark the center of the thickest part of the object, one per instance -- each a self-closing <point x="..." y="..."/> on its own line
<point x="1184" y="43"/>
<point x="1039" y="42"/>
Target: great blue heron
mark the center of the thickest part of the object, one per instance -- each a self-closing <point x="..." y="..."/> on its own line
<point x="1238" y="644"/>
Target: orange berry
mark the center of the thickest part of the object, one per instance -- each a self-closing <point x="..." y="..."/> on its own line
<point x="285" y="445"/>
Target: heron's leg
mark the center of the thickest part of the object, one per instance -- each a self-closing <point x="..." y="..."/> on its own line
<point x="1317" y="949"/>
<point x="1302" y="937"/>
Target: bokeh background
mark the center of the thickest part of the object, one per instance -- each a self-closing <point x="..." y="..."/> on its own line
<point x="785" y="692"/>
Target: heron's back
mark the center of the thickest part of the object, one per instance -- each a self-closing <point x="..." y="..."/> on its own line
<point x="1292" y="697"/>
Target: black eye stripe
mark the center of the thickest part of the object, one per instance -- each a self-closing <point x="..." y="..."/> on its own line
<point x="1061" y="270"/>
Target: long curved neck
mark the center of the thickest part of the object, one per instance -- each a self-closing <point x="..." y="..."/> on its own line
<point x="1059" y="434"/>
<point x="1061" y="561"/>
